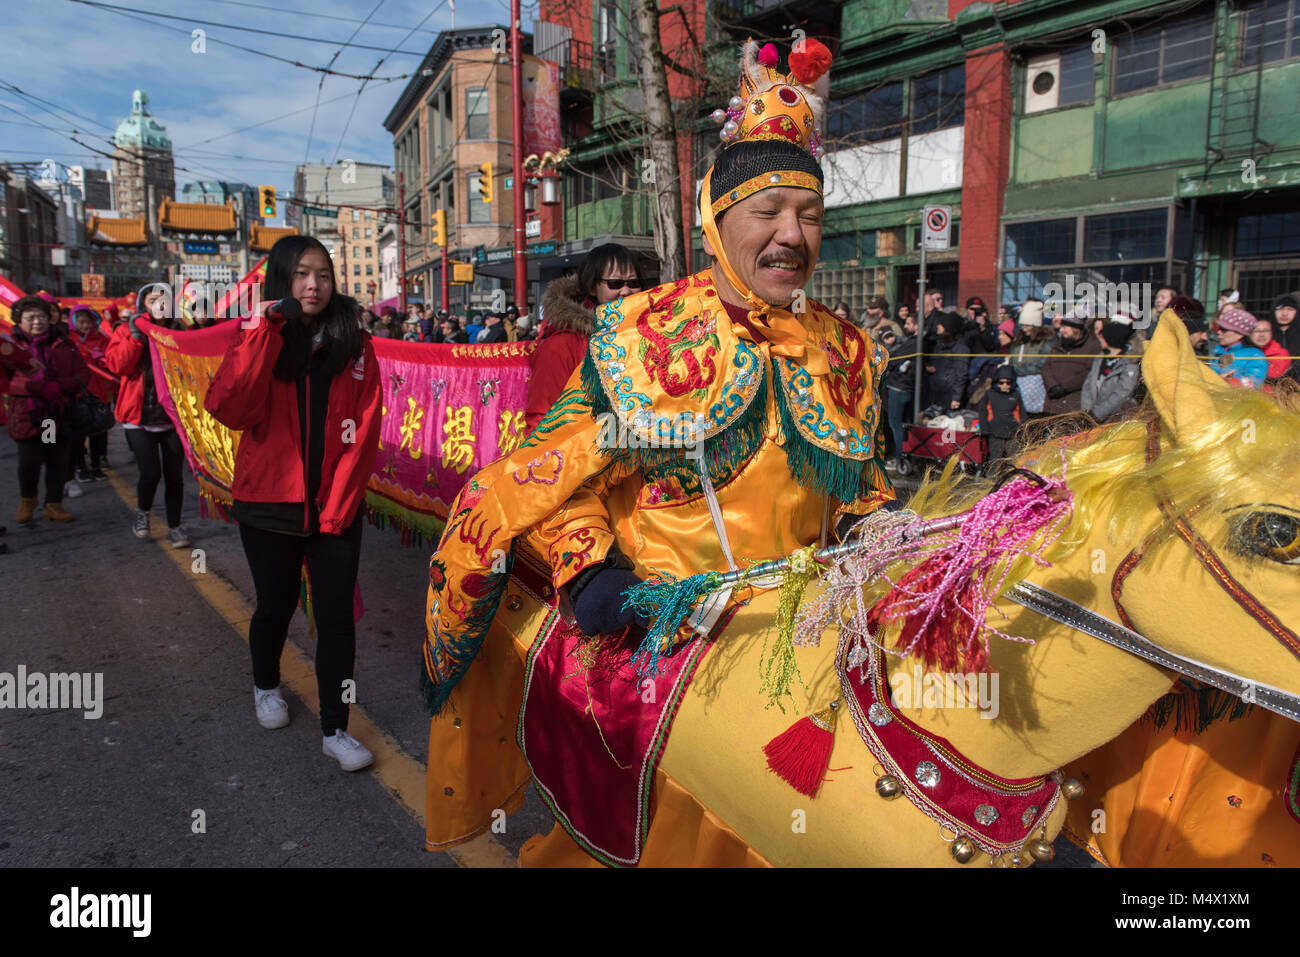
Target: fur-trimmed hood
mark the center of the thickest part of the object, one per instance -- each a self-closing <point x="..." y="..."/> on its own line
<point x="563" y="309"/>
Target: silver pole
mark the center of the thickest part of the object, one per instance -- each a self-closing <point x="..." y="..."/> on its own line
<point x="920" y="337"/>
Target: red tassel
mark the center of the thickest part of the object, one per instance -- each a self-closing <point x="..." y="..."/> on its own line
<point x="811" y="62"/>
<point x="801" y="753"/>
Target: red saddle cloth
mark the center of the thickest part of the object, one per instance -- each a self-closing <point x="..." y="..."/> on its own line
<point x="593" y="736"/>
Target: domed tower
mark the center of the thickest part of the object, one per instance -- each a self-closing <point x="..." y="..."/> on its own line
<point x="142" y="158"/>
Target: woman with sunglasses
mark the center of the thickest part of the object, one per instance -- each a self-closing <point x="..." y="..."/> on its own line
<point x="569" y="306"/>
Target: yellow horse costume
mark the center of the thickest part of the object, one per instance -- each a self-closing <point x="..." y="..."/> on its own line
<point x="669" y="367"/>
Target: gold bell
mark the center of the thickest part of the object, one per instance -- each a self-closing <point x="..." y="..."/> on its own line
<point x="1040" y="850"/>
<point x="887" y="786"/>
<point x="1072" y="789"/>
<point x="962" y="849"/>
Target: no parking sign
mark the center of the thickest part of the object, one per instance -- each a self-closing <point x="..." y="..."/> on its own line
<point x="937" y="229"/>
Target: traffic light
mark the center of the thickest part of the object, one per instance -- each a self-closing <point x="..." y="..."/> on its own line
<point x="440" y="227"/>
<point x="485" y="182"/>
<point x="266" y="200"/>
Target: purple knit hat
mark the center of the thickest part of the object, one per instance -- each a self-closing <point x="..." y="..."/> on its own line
<point x="1237" y="320"/>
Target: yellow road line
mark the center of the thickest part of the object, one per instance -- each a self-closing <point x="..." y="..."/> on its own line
<point x="400" y="774"/>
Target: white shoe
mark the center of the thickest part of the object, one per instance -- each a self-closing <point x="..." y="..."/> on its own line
<point x="72" y="489"/>
<point x="178" y="538"/>
<point x="350" y="753"/>
<point x="272" y="709"/>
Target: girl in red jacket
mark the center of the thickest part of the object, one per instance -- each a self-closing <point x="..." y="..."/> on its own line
<point x="38" y="395"/>
<point x="305" y="392"/>
<point x="149" y="429"/>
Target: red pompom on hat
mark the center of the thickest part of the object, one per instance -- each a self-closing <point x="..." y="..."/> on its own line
<point x="811" y="62"/>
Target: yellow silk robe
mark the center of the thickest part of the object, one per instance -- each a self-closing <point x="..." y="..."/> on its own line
<point x="784" y="448"/>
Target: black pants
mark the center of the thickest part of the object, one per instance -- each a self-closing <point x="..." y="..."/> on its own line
<point x="147" y="447"/>
<point x="275" y="559"/>
<point x="98" y="450"/>
<point x="32" y="454"/>
<point x="1001" y="448"/>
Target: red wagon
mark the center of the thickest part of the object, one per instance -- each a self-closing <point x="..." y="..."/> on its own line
<point x="925" y="444"/>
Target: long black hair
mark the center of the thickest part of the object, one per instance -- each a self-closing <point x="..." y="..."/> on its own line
<point x="341" y="338"/>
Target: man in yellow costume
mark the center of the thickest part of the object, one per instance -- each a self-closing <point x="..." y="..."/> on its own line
<point x="720" y="418"/>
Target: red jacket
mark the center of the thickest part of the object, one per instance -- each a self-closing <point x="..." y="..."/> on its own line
<point x="270" y="465"/>
<point x="126" y="356"/>
<point x="26" y="406"/>
<point x="561" y="346"/>
<point x="101" y="382"/>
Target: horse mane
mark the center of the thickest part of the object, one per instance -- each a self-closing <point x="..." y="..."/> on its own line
<point x="1106" y="467"/>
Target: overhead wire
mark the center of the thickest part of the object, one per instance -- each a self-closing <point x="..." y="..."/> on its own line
<point x="321" y="86"/>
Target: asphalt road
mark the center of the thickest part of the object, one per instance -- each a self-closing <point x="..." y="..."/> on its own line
<point x="177" y="734"/>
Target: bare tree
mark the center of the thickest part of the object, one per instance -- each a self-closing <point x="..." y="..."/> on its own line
<point x="661" y="130"/>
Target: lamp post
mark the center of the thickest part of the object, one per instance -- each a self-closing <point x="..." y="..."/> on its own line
<point x="517" y="157"/>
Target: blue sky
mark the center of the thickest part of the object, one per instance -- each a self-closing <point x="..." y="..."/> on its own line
<point x="207" y="101"/>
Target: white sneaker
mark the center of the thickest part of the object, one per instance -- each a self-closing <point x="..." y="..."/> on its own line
<point x="178" y="538"/>
<point x="72" y="489"/>
<point x="140" y="525"/>
<point x="350" y="753"/>
<point x="272" y="709"/>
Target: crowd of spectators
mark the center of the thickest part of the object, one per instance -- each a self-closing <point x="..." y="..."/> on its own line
<point x="990" y="376"/>
<point x="419" y="324"/>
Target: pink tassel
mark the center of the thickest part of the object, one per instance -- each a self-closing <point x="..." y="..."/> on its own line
<point x="768" y="56"/>
<point x="800" y="755"/>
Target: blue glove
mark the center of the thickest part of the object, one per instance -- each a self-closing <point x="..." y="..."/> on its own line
<point x="599" y="606"/>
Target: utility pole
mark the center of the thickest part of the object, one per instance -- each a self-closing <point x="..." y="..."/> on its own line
<point x="401" y="237"/>
<point x="446" y="288"/>
<point x="517" y="162"/>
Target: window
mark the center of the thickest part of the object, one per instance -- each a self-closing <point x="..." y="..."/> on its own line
<point x="476" y="113"/>
<point x="1170" y="52"/>
<point x="1076" y="76"/>
<point x="370" y="269"/>
<point x="370" y="252"/>
<point x="1116" y="248"/>
<point x="479" y="211"/>
<point x="1125" y="236"/>
<point x="1272" y="31"/>
<point x="356" y="289"/>
<point x="1039" y="244"/>
<point x="356" y="252"/>
<point x="839" y="248"/>
<point x="356" y="215"/>
<point x="356" y="269"/>
<point x="370" y="233"/>
<point x="606" y="39"/>
<point x="354" y="232"/>
<point x="1270" y="234"/>
<point x="866" y="117"/>
<point x="939" y="100"/>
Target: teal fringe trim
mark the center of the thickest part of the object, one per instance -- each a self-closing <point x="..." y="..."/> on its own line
<point x="1196" y="711"/>
<point x="812" y="467"/>
<point x="668" y="601"/>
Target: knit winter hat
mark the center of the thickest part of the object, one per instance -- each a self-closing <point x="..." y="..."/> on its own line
<point x="1031" y="314"/>
<point x="1237" y="320"/>
<point x="1117" y="333"/>
<point x="1287" y="300"/>
<point x="1005" y="372"/>
<point x="1186" y="307"/>
<point x="1007" y="326"/>
<point x="1079" y="317"/>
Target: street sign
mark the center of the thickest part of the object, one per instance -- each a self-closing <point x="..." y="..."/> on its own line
<point x="510" y="182"/>
<point x="533" y="228"/>
<point x="937" y="227"/>
<point x="200" y="248"/>
<point x="318" y="211"/>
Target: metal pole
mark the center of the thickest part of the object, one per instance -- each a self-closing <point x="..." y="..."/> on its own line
<point x="446" y="288"/>
<point x="401" y="238"/>
<point x="517" y="170"/>
<point x="920" y="334"/>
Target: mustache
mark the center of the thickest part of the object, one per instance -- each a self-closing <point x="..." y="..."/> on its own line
<point x="784" y="257"/>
